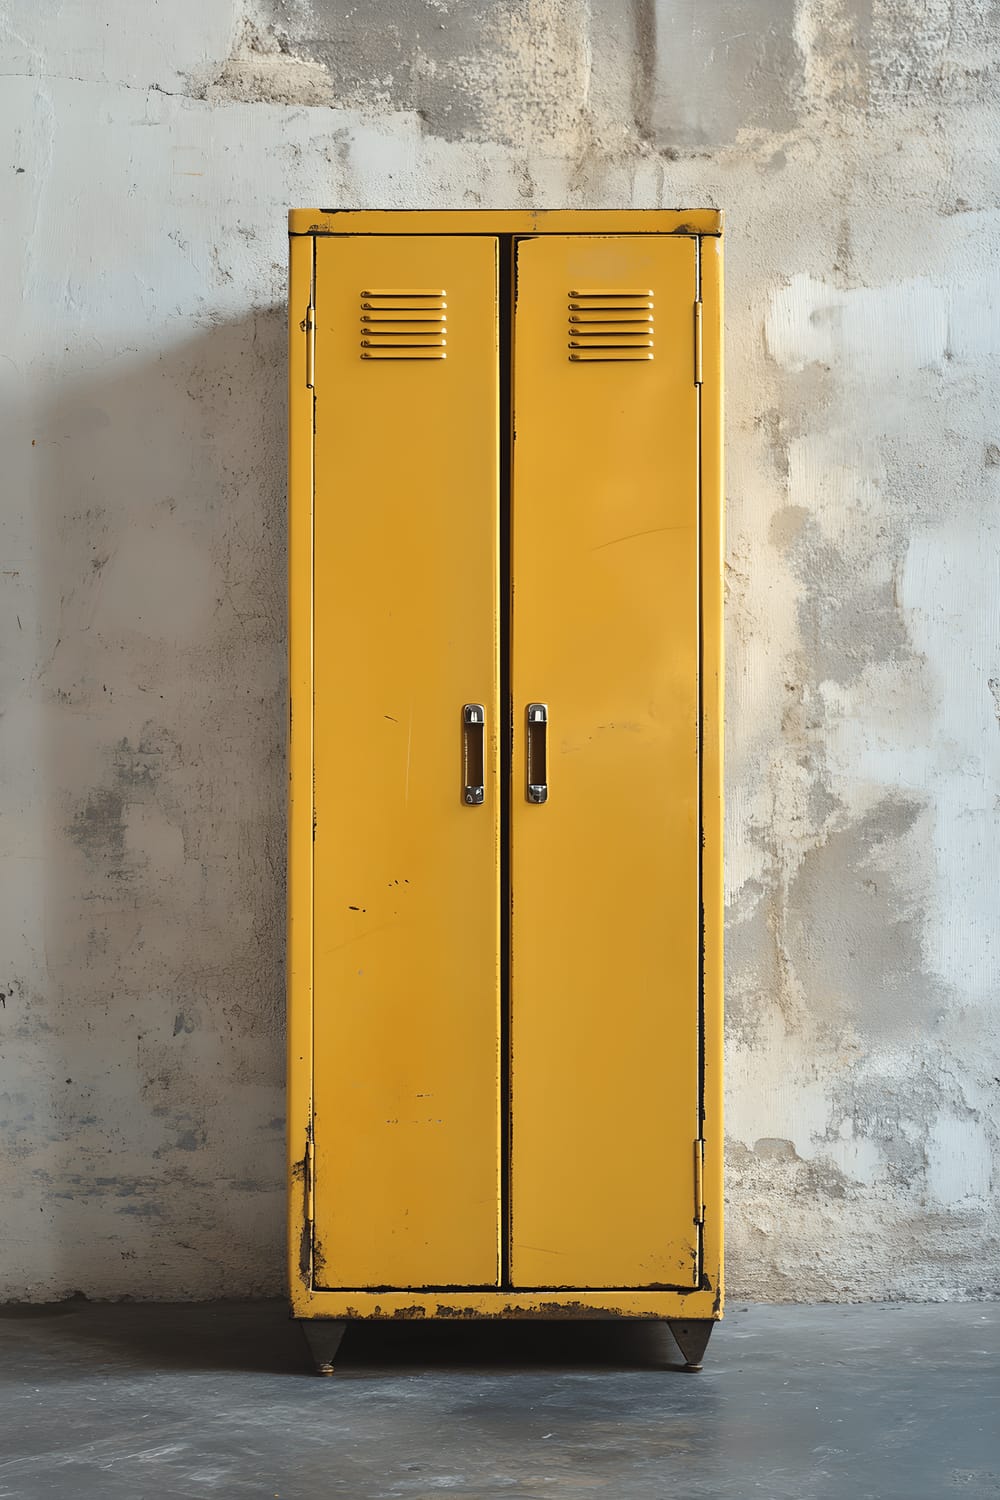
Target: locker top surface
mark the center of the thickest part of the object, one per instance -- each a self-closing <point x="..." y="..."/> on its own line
<point x="689" y="221"/>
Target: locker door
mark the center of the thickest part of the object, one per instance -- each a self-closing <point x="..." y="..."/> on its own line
<point x="406" y="1106"/>
<point x="605" y="918"/>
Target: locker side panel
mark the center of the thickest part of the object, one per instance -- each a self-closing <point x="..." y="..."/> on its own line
<point x="299" y="891"/>
<point x="713" y="673"/>
<point x="406" y="993"/>
<point x="605" y="871"/>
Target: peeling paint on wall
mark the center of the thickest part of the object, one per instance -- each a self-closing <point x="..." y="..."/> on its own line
<point x="261" y="69"/>
<point x="152" y="157"/>
<point x="487" y="71"/>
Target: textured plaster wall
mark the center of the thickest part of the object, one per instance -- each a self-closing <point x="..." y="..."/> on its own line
<point x="150" y="151"/>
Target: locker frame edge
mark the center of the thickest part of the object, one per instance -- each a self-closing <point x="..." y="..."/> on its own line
<point x="307" y="1302"/>
<point x="695" y="222"/>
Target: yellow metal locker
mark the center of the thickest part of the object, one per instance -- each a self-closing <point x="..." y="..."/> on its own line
<point x="505" y="941"/>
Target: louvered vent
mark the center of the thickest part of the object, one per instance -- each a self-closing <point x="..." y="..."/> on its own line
<point x="610" y="325"/>
<point x="401" y="324"/>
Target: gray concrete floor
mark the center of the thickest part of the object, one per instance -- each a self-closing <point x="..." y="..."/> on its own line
<point x="139" y="1402"/>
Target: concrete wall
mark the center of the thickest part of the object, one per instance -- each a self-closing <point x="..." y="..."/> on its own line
<point x="151" y="151"/>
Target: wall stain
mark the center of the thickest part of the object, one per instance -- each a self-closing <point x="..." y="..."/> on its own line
<point x="99" y="827"/>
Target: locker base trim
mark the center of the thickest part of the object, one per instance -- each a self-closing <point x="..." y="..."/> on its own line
<point x="685" y="1306"/>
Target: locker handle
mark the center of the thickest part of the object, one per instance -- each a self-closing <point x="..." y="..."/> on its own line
<point x="536" y="752"/>
<point x="473" y="754"/>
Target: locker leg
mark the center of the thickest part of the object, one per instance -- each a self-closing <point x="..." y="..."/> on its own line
<point x="323" y="1336"/>
<point x="691" y="1337"/>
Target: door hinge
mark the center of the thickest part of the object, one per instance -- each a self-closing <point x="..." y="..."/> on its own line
<point x="310" y="1181"/>
<point x="699" y="1181"/>
<point x="697" y="343"/>
<point x="309" y="328"/>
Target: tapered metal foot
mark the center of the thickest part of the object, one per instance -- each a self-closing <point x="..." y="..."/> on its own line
<point x="691" y="1337"/>
<point x="323" y="1336"/>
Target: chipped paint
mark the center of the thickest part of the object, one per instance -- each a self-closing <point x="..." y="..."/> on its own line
<point x="262" y="70"/>
<point x="854" y="149"/>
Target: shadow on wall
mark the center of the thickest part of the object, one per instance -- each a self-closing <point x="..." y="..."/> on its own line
<point x="161" y="749"/>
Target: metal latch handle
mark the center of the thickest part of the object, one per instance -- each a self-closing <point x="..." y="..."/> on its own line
<point x="536" y="752"/>
<point x="473" y="754"/>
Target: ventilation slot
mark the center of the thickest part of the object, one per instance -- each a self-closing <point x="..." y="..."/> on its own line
<point x="610" y="325"/>
<point x="401" y="324"/>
